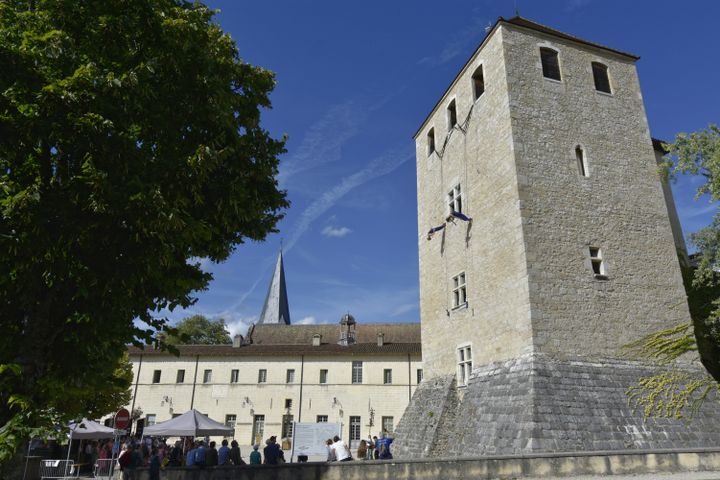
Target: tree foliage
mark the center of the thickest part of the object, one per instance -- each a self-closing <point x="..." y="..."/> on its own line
<point x="674" y="391"/>
<point x="199" y="330"/>
<point x="130" y="145"/>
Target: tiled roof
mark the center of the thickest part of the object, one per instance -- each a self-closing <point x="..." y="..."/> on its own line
<point x="274" y="340"/>
<point x="364" y="333"/>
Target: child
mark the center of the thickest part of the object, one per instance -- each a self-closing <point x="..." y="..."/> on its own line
<point x="255" y="458"/>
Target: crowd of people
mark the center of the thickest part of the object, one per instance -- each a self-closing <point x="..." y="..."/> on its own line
<point x="373" y="448"/>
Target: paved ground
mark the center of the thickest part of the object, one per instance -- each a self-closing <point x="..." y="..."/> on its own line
<point x="654" y="476"/>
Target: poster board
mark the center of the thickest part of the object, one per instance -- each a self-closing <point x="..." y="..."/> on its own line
<point x="309" y="438"/>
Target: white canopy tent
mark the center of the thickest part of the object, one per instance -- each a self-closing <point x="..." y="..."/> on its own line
<point x="89" y="430"/>
<point x="189" y="424"/>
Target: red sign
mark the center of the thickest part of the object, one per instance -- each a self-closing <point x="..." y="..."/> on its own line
<point x="122" y="419"/>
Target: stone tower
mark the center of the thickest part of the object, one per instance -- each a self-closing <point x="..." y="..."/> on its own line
<point x="549" y="247"/>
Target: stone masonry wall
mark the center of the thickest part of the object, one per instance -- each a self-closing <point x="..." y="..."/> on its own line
<point x="619" y="208"/>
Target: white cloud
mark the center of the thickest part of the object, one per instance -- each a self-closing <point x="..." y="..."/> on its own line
<point x="404" y="308"/>
<point x="460" y="43"/>
<point x="335" y="232"/>
<point x="310" y="320"/>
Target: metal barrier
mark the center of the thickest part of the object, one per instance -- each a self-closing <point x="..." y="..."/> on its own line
<point x="58" y="469"/>
<point x="104" y="468"/>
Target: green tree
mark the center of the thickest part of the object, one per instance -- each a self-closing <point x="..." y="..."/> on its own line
<point x="130" y="147"/>
<point x="675" y="391"/>
<point x="198" y="330"/>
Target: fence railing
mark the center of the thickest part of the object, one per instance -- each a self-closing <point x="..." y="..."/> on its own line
<point x="58" y="469"/>
<point x="104" y="468"/>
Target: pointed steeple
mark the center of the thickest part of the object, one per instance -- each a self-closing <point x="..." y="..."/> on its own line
<point x="276" y="310"/>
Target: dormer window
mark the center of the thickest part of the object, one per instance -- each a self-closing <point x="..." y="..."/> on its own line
<point x="431" y="142"/>
<point x="550" y="63"/>
<point x="478" y="83"/>
<point x="452" y="115"/>
<point x="600" y="76"/>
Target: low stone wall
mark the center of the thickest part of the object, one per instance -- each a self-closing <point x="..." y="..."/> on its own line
<point x="495" y="467"/>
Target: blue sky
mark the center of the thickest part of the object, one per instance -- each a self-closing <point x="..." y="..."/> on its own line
<point x="354" y="82"/>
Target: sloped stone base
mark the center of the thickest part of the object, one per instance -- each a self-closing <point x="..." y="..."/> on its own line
<point x="538" y="404"/>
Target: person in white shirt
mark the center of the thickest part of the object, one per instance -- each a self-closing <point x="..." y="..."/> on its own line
<point x="342" y="452"/>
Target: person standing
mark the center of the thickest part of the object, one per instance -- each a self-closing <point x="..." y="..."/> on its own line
<point x="255" y="457"/>
<point x="342" y="451"/>
<point x="154" y="464"/>
<point x="200" y="454"/>
<point x="176" y="455"/>
<point x="385" y="441"/>
<point x="223" y="453"/>
<point x="330" y="450"/>
<point x="211" y="456"/>
<point x="376" y="450"/>
<point x="235" y="456"/>
<point x="362" y="450"/>
<point x="271" y="451"/>
<point x="370" y="448"/>
<point x="190" y="456"/>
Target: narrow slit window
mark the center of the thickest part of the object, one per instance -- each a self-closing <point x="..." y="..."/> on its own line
<point x="550" y="63"/>
<point x="478" y="83"/>
<point x="582" y="162"/>
<point x="597" y="262"/>
<point x="431" y="142"/>
<point x="156" y="376"/>
<point x="452" y="115"/>
<point x="601" y="78"/>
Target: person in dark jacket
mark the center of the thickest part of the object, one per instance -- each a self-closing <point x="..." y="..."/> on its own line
<point x="211" y="456"/>
<point x="154" y="465"/>
<point x="272" y="452"/>
<point x="235" y="456"/>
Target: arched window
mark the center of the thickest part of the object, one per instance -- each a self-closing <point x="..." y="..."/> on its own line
<point x="550" y="63"/>
<point x="431" y="141"/>
<point x="600" y="75"/>
<point x="582" y="162"/>
<point x="478" y="83"/>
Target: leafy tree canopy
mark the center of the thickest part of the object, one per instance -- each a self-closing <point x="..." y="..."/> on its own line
<point x="130" y="145"/>
<point x="198" y="330"/>
<point x="673" y="391"/>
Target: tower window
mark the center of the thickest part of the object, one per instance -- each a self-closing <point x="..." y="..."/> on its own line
<point x="459" y="290"/>
<point x="600" y="75"/>
<point x="455" y="199"/>
<point x="550" y="63"/>
<point x="452" y="115"/>
<point x="582" y="162"/>
<point x="597" y="262"/>
<point x="431" y="141"/>
<point x="464" y="364"/>
<point x="478" y="83"/>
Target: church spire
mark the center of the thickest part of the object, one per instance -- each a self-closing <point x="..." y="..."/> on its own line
<point x="276" y="310"/>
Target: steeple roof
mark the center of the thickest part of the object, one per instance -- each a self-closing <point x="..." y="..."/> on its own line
<point x="276" y="310"/>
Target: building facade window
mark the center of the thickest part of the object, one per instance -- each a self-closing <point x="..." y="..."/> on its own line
<point x="357" y="372"/>
<point x="290" y="375"/>
<point x="234" y="376"/>
<point x="387" y="424"/>
<point x="156" y="376"/>
<point x="459" y="290"/>
<point x="601" y="78"/>
<point x="207" y="376"/>
<point x="451" y="115"/>
<point x="550" y="63"/>
<point x="455" y="203"/>
<point x="431" y="142"/>
<point x="150" y="419"/>
<point x="262" y="375"/>
<point x="419" y="375"/>
<point x="387" y="376"/>
<point x="230" y="420"/>
<point x="478" y="83"/>
<point x="288" y="403"/>
<point x="464" y="364"/>
<point x="258" y="429"/>
<point x="323" y="376"/>
<point x="322" y="419"/>
<point x="180" y="378"/>
<point x="597" y="262"/>
<point x="287" y="426"/>
<point x="582" y="162"/>
<point x="354" y="429"/>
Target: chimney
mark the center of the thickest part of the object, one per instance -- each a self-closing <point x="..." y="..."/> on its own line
<point x="316" y="340"/>
<point x="380" y="339"/>
<point x="237" y="341"/>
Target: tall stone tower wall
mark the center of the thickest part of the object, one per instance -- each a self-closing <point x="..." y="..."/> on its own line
<point x="491" y="249"/>
<point x="619" y="207"/>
